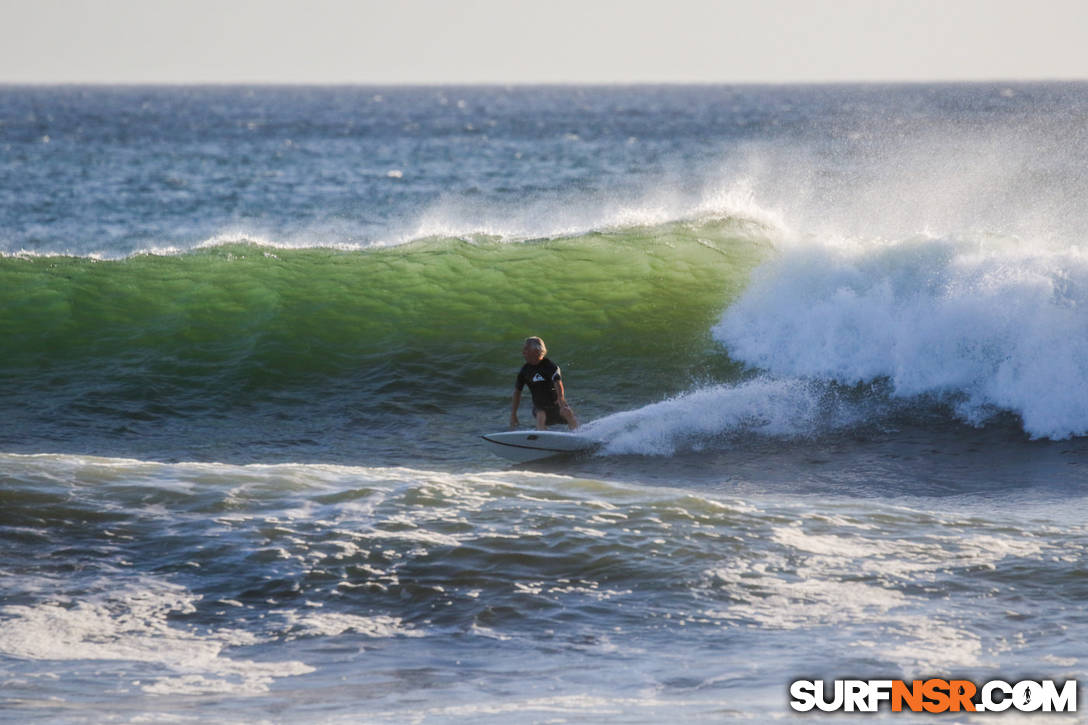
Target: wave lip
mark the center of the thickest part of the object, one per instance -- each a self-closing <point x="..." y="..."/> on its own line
<point x="986" y="325"/>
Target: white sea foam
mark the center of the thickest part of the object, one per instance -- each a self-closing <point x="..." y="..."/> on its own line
<point x="331" y="624"/>
<point x="809" y="582"/>
<point x="987" y="324"/>
<point x="133" y="624"/>
<point x="766" y="406"/>
<point x="822" y="570"/>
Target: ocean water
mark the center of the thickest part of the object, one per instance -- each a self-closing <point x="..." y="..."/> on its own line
<point x="833" y="338"/>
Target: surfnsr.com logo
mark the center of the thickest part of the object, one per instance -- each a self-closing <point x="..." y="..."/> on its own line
<point x="933" y="695"/>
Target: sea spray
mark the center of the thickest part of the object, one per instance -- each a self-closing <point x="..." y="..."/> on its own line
<point x="989" y="324"/>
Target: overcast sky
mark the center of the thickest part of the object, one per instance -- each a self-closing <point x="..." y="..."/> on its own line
<point x="546" y="41"/>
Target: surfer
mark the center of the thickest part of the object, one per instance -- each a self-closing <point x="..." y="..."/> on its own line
<point x="550" y="405"/>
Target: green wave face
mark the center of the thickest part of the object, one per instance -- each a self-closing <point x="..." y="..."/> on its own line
<point x="626" y="313"/>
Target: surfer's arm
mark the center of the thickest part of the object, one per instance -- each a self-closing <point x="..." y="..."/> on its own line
<point x="564" y="407"/>
<point x="514" y="408"/>
<point x="561" y="397"/>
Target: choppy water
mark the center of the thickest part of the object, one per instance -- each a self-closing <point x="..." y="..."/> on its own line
<point x="832" y="338"/>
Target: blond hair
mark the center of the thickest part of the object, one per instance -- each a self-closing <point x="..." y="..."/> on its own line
<point x="537" y="344"/>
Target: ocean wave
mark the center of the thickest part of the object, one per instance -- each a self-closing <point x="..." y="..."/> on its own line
<point x="232" y="321"/>
<point x="986" y="323"/>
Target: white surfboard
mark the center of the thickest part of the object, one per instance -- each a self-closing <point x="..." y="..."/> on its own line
<point x="531" y="445"/>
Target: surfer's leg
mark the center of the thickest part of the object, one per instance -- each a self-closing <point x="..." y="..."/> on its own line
<point x="541" y="419"/>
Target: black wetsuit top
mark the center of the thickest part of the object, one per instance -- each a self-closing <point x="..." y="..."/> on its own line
<point x="541" y="379"/>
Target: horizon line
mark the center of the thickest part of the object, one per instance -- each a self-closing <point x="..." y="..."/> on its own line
<point x="534" y="84"/>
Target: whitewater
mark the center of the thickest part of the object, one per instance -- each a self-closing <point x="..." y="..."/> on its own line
<point x="832" y="338"/>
